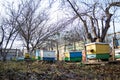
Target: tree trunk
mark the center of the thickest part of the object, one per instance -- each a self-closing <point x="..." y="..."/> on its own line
<point x="74" y="45"/>
<point x="57" y="51"/>
<point x="4" y="59"/>
<point x="4" y="56"/>
<point x="28" y="49"/>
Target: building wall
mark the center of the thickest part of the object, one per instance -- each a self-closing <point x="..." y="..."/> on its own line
<point x="12" y="54"/>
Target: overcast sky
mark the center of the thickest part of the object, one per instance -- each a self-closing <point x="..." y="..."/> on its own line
<point x="55" y="14"/>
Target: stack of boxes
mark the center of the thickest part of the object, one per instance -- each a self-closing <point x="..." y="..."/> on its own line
<point x="73" y="56"/>
<point x="98" y="50"/>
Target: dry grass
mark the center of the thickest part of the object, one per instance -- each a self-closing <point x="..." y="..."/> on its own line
<point x="58" y="71"/>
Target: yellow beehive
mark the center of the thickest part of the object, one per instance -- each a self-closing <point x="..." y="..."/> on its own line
<point x="67" y="54"/>
<point x="27" y="55"/>
<point x="97" y="48"/>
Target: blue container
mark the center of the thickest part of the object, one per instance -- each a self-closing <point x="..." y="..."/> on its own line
<point x="48" y="59"/>
<point x="37" y="52"/>
<point x="75" y="54"/>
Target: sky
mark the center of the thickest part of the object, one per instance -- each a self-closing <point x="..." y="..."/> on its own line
<point x="54" y="15"/>
<point x="54" y="12"/>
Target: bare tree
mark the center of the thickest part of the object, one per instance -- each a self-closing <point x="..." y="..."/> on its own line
<point x="31" y="20"/>
<point x="95" y="17"/>
<point x="9" y="34"/>
<point x="34" y="24"/>
<point x="74" y="35"/>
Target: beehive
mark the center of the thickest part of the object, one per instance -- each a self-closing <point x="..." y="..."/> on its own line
<point x="97" y="50"/>
<point x="117" y="53"/>
<point x="33" y="57"/>
<point x="27" y="55"/>
<point x="48" y="55"/>
<point x="37" y="54"/>
<point x="73" y="56"/>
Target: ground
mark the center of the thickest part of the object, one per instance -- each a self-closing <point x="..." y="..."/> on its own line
<point x="39" y="70"/>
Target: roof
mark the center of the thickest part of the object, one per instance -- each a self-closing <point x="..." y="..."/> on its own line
<point x="97" y="43"/>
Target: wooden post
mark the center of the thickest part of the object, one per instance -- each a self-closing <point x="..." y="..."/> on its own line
<point x="85" y="51"/>
<point x="113" y="50"/>
<point x="57" y="52"/>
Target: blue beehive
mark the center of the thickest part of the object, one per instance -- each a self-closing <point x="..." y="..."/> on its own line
<point x="73" y="56"/>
